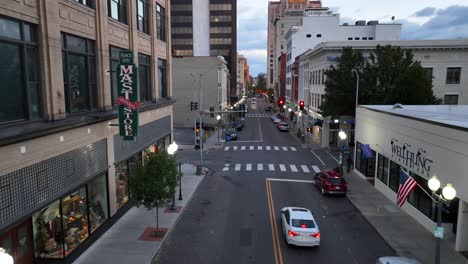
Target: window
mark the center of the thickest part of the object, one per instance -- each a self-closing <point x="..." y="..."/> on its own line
<point x="453" y="75"/>
<point x="419" y="199"/>
<point x="87" y="3"/>
<point x="142" y="16"/>
<point x="394" y="179"/>
<point x="451" y="99"/>
<point x="319" y="35"/>
<point x="20" y="80"/>
<point x="79" y="73"/>
<point x="365" y="165"/>
<point x="371" y="38"/>
<point x="382" y="169"/>
<point x="309" y="35"/>
<point x="428" y="73"/>
<point x="48" y="232"/>
<point x="350" y="38"/>
<point x="114" y="61"/>
<point x="97" y="199"/>
<point x="161" y="22"/>
<point x="162" y="78"/>
<point x="75" y="219"/>
<point x="144" y="77"/>
<point x="123" y="170"/>
<point x="303" y="222"/>
<point x="356" y="38"/>
<point x="117" y="9"/>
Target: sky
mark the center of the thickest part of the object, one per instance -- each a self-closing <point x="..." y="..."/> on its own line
<point x="421" y="19"/>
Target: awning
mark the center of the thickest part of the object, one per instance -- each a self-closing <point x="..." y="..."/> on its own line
<point x="316" y="122"/>
<point x="367" y="151"/>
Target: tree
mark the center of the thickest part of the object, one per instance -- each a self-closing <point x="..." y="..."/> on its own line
<point x="154" y="183"/>
<point x="389" y="76"/>
<point x="261" y="83"/>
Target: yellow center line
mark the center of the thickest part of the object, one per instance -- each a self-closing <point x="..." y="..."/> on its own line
<point x="276" y="243"/>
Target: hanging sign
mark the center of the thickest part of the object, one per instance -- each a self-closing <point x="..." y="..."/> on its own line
<point x="127" y="91"/>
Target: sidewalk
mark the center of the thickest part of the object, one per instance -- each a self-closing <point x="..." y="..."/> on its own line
<point x="406" y="236"/>
<point x="123" y="243"/>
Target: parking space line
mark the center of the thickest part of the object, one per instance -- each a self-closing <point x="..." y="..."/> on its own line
<point x="332" y="157"/>
<point x="323" y="163"/>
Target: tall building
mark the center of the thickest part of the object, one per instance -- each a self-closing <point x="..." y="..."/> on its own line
<point x="206" y="28"/>
<point x="243" y="74"/>
<point x="64" y="169"/>
<point x="276" y="10"/>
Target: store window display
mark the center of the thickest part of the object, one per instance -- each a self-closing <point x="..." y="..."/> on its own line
<point x="75" y="219"/>
<point x="98" y="209"/>
<point x="121" y="180"/>
<point x="48" y="232"/>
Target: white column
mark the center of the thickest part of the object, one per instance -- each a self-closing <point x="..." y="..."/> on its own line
<point x="461" y="242"/>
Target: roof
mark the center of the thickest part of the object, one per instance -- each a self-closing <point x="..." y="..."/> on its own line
<point x="301" y="214"/>
<point x="454" y="116"/>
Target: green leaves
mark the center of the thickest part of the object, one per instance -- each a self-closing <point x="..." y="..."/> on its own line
<point x="153" y="184"/>
<point x="389" y="76"/>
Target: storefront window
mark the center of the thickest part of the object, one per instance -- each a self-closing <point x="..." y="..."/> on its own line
<point x="394" y="178"/>
<point x="382" y="170"/>
<point x="121" y="180"/>
<point x="363" y="164"/>
<point x="75" y="218"/>
<point x="48" y="232"/>
<point x="98" y="208"/>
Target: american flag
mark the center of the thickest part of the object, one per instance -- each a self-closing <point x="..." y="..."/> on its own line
<point x="407" y="185"/>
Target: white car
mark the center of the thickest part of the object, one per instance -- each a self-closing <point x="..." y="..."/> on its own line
<point x="299" y="227"/>
<point x="396" y="260"/>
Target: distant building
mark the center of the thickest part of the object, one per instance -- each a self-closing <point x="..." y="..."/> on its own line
<point x="243" y="74"/>
<point x="206" y="28"/>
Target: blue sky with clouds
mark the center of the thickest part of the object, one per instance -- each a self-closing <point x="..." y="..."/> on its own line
<point x="428" y="19"/>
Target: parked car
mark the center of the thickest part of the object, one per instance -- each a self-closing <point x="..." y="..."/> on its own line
<point x="268" y="108"/>
<point x="205" y="126"/>
<point x="299" y="227"/>
<point x="396" y="260"/>
<point x="231" y="134"/>
<point x="330" y="182"/>
<point x="283" y="126"/>
<point x="238" y="125"/>
<point x="276" y="120"/>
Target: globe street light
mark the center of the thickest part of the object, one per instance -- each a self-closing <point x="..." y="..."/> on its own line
<point x="172" y="149"/>
<point x="342" y="136"/>
<point x="5" y="258"/>
<point x="218" y="117"/>
<point x="448" y="194"/>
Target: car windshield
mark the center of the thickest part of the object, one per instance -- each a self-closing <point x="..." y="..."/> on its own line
<point x="303" y="223"/>
<point x="336" y="181"/>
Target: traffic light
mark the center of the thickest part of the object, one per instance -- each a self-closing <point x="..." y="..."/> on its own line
<point x="309" y="129"/>
<point x="196" y="105"/>
<point x="192" y="106"/>
<point x="212" y="112"/>
<point x="301" y="105"/>
<point x="280" y="103"/>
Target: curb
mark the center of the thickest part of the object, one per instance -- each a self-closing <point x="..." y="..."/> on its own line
<point x="169" y="233"/>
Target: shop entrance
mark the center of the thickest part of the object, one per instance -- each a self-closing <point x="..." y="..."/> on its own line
<point x="18" y="243"/>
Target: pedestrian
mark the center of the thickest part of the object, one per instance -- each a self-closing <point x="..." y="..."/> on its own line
<point x="349" y="163"/>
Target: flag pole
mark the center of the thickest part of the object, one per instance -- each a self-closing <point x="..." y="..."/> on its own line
<point x="407" y="173"/>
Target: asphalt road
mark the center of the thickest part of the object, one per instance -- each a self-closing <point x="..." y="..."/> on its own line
<point x="234" y="216"/>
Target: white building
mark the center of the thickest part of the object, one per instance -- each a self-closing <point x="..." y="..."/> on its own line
<point x="320" y="25"/>
<point x="426" y="140"/>
<point x="445" y="60"/>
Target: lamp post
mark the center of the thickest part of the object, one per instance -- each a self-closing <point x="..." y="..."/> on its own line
<point x="171" y="150"/>
<point x="357" y="85"/>
<point x="448" y="193"/>
<point x="5" y="258"/>
<point x="342" y="136"/>
<point x="218" y="117"/>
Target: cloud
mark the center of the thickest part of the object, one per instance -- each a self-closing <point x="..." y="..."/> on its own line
<point x="426" y="12"/>
<point x="449" y="23"/>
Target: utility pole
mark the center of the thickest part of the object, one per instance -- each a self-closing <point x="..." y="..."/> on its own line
<point x="201" y="119"/>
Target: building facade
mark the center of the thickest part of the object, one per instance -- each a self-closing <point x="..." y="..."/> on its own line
<point x="206" y="28"/>
<point x="321" y="25"/>
<point x="425" y="141"/>
<point x="209" y="73"/>
<point x="243" y="74"/>
<point x="445" y="61"/>
<point x="64" y="169"/>
<point x="276" y="10"/>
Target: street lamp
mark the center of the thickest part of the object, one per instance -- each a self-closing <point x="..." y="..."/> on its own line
<point x="218" y="117"/>
<point x="357" y="85"/>
<point x="5" y="258"/>
<point x="172" y="149"/>
<point x="342" y="136"/>
<point x="448" y="194"/>
<point x="289" y="109"/>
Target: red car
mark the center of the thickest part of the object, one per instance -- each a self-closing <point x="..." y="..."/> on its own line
<point x="330" y="182"/>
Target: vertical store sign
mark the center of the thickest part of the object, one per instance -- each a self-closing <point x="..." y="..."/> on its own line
<point x="127" y="76"/>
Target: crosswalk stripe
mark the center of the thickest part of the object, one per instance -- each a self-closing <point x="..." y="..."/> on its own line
<point x="248" y="167"/>
<point x="260" y="147"/>
<point x="251" y="148"/>
<point x="259" y="167"/>
<point x="238" y="167"/>
<point x="304" y="168"/>
<point x="316" y="169"/>
<point x="285" y="148"/>
<point x="282" y="167"/>
<point x="276" y="148"/>
<point x="293" y="148"/>
<point x="268" y="148"/>
<point x="226" y="148"/>
<point x="235" y="147"/>
<point x="226" y="168"/>
<point x="271" y="167"/>
<point x="293" y="168"/>
<point x="243" y="148"/>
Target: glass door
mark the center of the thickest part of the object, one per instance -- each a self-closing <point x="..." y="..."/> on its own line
<point x="18" y="243"/>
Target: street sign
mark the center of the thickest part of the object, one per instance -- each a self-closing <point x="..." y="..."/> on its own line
<point x="127" y="90"/>
<point x="439" y="232"/>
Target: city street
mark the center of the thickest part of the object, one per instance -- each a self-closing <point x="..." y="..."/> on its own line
<point x="235" y="215"/>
